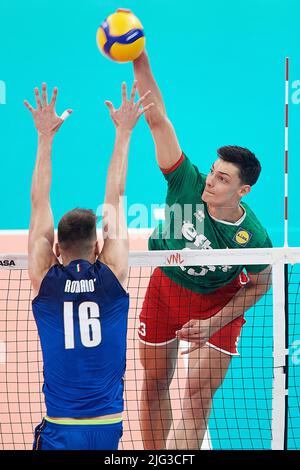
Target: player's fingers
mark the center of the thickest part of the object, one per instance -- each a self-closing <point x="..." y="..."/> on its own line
<point x="192" y="334"/>
<point x="182" y="335"/>
<point x="54" y="96"/>
<point x="66" y="114"/>
<point x="124" y="92"/>
<point x="37" y="98"/>
<point x="194" y="330"/>
<point x="182" y="331"/>
<point x="110" y="106"/>
<point x="187" y="326"/>
<point x="146" y="108"/>
<point x="197" y="335"/>
<point x="28" y="106"/>
<point x="133" y="91"/>
<point x="143" y="98"/>
<point x="44" y="94"/>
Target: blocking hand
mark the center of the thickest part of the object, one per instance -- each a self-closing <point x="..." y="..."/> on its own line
<point x="129" y="112"/>
<point x="45" y="118"/>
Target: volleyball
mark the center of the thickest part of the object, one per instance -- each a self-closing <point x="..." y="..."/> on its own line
<point x="121" y="36"/>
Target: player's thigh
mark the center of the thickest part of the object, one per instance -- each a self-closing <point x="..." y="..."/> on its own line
<point x="159" y="362"/>
<point x="168" y="150"/>
<point x="207" y="368"/>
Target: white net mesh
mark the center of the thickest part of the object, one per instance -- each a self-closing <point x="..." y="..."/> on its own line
<point x="249" y="410"/>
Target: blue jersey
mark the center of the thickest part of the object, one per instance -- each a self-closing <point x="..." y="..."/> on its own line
<point x="81" y="313"/>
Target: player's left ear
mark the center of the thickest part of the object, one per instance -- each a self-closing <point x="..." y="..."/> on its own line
<point x="57" y="250"/>
<point x="97" y="249"/>
<point x="245" y="189"/>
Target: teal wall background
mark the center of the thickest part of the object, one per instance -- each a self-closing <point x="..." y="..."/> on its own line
<point x="220" y="66"/>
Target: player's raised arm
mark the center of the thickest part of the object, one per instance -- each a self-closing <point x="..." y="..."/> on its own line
<point x="115" y="248"/>
<point x="168" y="150"/>
<point x="41" y="231"/>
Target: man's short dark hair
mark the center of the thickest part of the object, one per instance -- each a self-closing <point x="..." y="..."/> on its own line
<point x="246" y="161"/>
<point x="77" y="230"/>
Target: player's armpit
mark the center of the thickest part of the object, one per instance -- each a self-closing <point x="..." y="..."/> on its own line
<point x="40" y="260"/>
<point x="115" y="255"/>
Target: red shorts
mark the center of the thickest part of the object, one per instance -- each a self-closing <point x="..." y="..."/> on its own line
<point x="168" y="306"/>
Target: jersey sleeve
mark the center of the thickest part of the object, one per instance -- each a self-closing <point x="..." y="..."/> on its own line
<point x="257" y="268"/>
<point x="183" y="178"/>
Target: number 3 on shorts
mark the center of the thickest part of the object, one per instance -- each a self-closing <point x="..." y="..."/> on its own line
<point x="142" y="329"/>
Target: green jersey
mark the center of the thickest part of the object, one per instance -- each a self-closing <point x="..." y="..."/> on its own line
<point x="188" y="225"/>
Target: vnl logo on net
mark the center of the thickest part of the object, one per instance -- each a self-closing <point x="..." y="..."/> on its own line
<point x="2" y="92"/>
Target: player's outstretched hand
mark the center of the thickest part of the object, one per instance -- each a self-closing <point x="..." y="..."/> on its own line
<point x="45" y="118"/>
<point x="129" y="112"/>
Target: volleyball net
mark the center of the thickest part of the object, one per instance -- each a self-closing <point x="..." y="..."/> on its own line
<point x="257" y="406"/>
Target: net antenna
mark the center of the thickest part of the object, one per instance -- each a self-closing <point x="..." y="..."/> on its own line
<point x="286" y="151"/>
<point x="280" y="276"/>
<point x="286" y="266"/>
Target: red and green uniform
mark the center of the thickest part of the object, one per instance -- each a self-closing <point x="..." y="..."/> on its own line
<point x="191" y="227"/>
<point x="177" y="294"/>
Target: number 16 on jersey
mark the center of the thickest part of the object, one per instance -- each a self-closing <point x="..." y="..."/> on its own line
<point x="89" y="324"/>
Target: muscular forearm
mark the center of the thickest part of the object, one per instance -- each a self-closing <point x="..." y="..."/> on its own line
<point x="116" y="176"/>
<point x="146" y="81"/>
<point x="239" y="304"/>
<point x="42" y="175"/>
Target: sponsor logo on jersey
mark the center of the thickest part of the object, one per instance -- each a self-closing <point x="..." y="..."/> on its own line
<point x="7" y="262"/>
<point x="242" y="237"/>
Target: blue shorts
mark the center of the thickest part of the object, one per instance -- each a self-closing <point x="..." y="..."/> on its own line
<point x="53" y="436"/>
